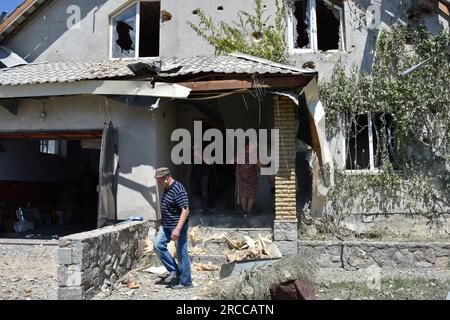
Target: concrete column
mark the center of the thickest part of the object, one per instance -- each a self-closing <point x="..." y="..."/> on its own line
<point x="285" y="225"/>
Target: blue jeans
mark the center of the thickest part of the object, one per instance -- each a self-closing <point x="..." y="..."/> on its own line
<point x="166" y="258"/>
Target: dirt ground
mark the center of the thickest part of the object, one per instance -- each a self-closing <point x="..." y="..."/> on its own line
<point x="28" y="272"/>
<point x="151" y="288"/>
<point x="331" y="284"/>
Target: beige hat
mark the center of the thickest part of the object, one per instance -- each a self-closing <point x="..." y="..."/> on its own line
<point x="162" y="172"/>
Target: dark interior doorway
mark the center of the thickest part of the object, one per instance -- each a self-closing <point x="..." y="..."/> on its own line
<point x="52" y="183"/>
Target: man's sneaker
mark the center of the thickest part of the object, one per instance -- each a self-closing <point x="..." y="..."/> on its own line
<point x="182" y="286"/>
<point x="171" y="277"/>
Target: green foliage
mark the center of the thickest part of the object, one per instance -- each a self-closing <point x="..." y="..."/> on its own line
<point x="417" y="179"/>
<point x="254" y="33"/>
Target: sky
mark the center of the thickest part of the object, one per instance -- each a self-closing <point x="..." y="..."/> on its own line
<point x="9" y="5"/>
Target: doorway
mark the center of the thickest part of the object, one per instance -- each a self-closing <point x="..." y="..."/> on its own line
<point x="49" y="180"/>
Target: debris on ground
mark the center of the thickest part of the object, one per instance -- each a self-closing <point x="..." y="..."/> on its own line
<point x="248" y="248"/>
<point x="254" y="284"/>
<point x="233" y="244"/>
<point x="197" y="251"/>
<point x="269" y="248"/>
<point x="156" y="270"/>
<point x="130" y="284"/>
<point x="194" y="235"/>
<point x="205" y="266"/>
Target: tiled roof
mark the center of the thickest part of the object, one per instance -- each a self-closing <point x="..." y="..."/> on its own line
<point x="51" y="72"/>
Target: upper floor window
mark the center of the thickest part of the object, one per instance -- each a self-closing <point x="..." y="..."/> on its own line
<point x="135" y="30"/>
<point x="316" y="25"/>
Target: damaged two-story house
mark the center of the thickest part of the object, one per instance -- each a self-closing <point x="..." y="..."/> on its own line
<point x="91" y="92"/>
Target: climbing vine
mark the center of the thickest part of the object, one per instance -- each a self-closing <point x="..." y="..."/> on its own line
<point x="410" y="115"/>
<point x="413" y="136"/>
<point x="256" y="33"/>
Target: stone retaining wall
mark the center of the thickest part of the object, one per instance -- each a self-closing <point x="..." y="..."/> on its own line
<point x="360" y="255"/>
<point x="90" y="260"/>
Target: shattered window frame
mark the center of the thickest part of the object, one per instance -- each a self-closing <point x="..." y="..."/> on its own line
<point x="311" y="23"/>
<point x="373" y="141"/>
<point x="133" y="33"/>
<point x="136" y="31"/>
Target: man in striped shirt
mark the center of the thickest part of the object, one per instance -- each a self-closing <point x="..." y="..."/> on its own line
<point x="174" y="226"/>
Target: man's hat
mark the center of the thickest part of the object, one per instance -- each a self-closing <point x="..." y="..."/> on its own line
<point x="162" y="172"/>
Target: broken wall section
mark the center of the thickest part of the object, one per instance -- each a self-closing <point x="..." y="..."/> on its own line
<point x="91" y="260"/>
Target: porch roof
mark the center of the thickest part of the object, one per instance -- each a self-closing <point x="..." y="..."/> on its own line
<point x="59" y="72"/>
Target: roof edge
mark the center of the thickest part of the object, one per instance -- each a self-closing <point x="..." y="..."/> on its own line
<point x="269" y="62"/>
<point x="18" y="13"/>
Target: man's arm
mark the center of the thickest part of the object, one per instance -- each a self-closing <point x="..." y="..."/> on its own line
<point x="183" y="217"/>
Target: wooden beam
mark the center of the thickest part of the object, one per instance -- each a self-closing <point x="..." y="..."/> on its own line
<point x="22" y="10"/>
<point x="444" y="8"/>
<point x="273" y="82"/>
<point x="19" y="11"/>
<point x="53" y="135"/>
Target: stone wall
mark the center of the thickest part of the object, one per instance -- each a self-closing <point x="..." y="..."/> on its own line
<point x="361" y="255"/>
<point x="90" y="260"/>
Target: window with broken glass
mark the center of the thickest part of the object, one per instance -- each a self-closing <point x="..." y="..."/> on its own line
<point x="135" y="30"/>
<point x="316" y="25"/>
<point x="366" y="137"/>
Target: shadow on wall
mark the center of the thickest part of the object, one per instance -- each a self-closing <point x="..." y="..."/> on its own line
<point x="45" y="34"/>
<point x="145" y="191"/>
<point x="411" y="13"/>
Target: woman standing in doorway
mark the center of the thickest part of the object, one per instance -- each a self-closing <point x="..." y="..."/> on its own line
<point x="247" y="181"/>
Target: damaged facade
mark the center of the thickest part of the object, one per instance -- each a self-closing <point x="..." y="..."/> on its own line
<point x="54" y="109"/>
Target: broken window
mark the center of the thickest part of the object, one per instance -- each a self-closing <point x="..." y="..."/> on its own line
<point x="363" y="148"/>
<point x="302" y="23"/>
<point x="135" y="31"/>
<point x="328" y="26"/>
<point x="124" y="34"/>
<point x="317" y="25"/>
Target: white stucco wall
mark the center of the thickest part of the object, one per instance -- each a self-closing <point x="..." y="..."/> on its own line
<point x="47" y="38"/>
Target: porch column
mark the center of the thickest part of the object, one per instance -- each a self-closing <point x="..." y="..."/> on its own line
<point x="285" y="228"/>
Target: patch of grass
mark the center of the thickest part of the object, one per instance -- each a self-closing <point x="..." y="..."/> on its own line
<point x="391" y="289"/>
